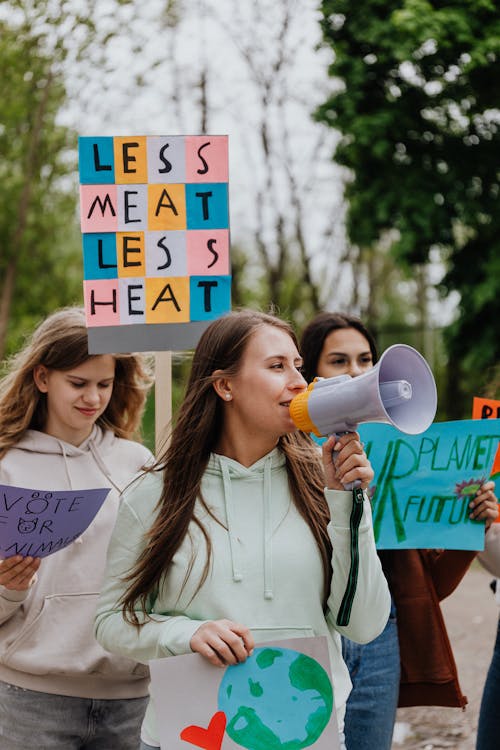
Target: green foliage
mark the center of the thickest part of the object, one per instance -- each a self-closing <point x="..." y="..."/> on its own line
<point x="40" y="244"/>
<point x="416" y="105"/>
<point x="282" y="291"/>
<point x="42" y="42"/>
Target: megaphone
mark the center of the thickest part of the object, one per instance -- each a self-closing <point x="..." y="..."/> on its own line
<point x="399" y="390"/>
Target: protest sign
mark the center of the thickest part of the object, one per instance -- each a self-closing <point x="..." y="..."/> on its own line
<point x="155" y="220"/>
<point x="40" y="522"/>
<point x="485" y="408"/>
<point x="488" y="408"/>
<point x="423" y="483"/>
<point x="281" y="696"/>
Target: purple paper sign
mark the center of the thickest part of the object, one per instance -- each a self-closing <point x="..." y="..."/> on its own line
<point x="41" y="522"/>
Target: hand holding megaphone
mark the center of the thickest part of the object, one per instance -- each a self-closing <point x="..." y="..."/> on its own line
<point x="343" y="458"/>
<point x="399" y="390"/>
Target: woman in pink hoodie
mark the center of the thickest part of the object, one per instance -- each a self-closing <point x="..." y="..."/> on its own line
<point x="66" y="423"/>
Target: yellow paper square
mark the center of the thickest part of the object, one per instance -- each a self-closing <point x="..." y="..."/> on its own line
<point x="167" y="300"/>
<point x="131" y="163"/>
<point x="130" y="254"/>
<point x="166" y="207"/>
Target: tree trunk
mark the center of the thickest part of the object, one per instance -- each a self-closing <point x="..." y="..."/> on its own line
<point x="9" y="283"/>
<point x="6" y="301"/>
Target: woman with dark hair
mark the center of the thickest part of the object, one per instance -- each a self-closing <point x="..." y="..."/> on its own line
<point x="410" y="663"/>
<point x="67" y="419"/>
<point x="317" y="353"/>
<point x="232" y="538"/>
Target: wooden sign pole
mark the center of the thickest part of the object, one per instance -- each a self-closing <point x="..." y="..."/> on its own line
<point x="163" y="398"/>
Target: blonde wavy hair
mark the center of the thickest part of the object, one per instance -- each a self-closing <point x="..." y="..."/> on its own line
<point x="60" y="343"/>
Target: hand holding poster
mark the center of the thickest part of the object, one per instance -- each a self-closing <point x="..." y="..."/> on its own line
<point x="423" y="483"/>
<point x="281" y="696"/>
<point x="40" y="522"/>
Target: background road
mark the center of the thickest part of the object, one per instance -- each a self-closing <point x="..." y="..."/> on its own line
<point x="471" y="616"/>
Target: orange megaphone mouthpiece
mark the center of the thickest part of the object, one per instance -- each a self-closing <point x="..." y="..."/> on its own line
<point x="299" y="411"/>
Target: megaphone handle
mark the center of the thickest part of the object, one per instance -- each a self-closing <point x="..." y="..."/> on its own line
<point x="350" y="485"/>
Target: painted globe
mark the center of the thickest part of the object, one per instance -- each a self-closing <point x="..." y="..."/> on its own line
<point x="278" y="699"/>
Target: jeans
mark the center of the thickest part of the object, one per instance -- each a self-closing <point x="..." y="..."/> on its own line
<point x="30" y="718"/>
<point x="375" y="673"/>
<point x="488" y="730"/>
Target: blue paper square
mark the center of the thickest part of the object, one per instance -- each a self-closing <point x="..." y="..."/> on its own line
<point x="207" y="205"/>
<point x="96" y="160"/>
<point x="99" y="256"/>
<point x="210" y="296"/>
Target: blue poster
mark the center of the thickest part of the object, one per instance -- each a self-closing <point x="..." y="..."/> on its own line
<point x="423" y="483"/>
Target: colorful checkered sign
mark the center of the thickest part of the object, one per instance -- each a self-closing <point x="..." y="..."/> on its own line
<point x="155" y="221"/>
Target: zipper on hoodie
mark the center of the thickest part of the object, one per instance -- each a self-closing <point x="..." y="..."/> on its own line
<point x="344" y="613"/>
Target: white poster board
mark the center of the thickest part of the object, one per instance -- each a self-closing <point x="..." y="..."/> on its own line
<point x="281" y="696"/>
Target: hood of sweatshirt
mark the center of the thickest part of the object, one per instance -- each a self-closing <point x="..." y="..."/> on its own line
<point x="98" y="444"/>
<point x="236" y="479"/>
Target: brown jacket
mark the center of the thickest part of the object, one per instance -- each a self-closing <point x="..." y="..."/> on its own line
<point x="419" y="580"/>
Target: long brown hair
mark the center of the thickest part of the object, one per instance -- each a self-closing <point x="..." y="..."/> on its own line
<point x="197" y="429"/>
<point x="60" y="343"/>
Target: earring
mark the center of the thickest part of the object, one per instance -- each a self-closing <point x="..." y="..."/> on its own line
<point x="228" y="396"/>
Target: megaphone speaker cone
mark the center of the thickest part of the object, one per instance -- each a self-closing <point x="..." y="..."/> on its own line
<point x="403" y="363"/>
<point x="399" y="390"/>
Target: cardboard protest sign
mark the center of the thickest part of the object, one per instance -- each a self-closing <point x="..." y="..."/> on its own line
<point x="423" y="483"/>
<point x="155" y="220"/>
<point x="485" y="408"/>
<point x="41" y="522"/>
<point x="488" y="408"/>
<point x="282" y="696"/>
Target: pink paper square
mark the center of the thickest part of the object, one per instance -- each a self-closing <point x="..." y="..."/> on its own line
<point x="208" y="252"/>
<point x="98" y="208"/>
<point x="102" y="303"/>
<point x="207" y="158"/>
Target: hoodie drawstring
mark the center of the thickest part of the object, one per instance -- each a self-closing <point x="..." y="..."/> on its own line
<point x="102" y="466"/>
<point x="267" y="527"/>
<point x="66" y="466"/>
<point x="100" y="463"/>
<point x="268" y="549"/>
<point x="233" y="542"/>
<point x="78" y="540"/>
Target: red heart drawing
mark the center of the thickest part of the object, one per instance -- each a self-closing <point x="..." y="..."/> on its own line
<point x="210" y="738"/>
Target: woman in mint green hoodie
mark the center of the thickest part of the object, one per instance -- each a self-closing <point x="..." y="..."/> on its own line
<point x="240" y="534"/>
